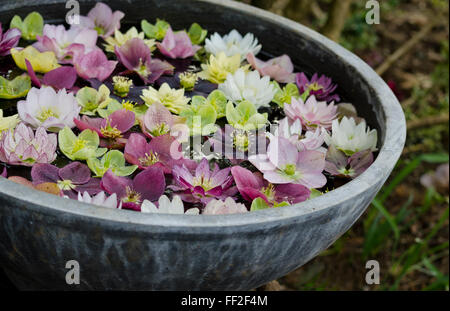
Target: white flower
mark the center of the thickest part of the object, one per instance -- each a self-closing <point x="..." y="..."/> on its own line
<point x="99" y="199"/>
<point x="350" y="137"/>
<point x="53" y="111"/>
<point x="167" y="207"/>
<point x="232" y="44"/>
<point x="249" y="86"/>
<point x="229" y="206"/>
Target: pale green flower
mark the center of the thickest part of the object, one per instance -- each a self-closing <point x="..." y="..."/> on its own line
<point x="83" y="147"/>
<point x="7" y="123"/>
<point x="92" y="100"/>
<point x="120" y="39"/>
<point x="172" y="99"/>
<point x="113" y="160"/>
<point x="218" y="67"/>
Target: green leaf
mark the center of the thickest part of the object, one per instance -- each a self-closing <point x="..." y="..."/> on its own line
<point x="16" y="88"/>
<point x="197" y="34"/>
<point x="258" y="204"/>
<point x="30" y="27"/>
<point x="157" y="31"/>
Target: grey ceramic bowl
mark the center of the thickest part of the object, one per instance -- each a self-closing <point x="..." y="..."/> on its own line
<point x="118" y="249"/>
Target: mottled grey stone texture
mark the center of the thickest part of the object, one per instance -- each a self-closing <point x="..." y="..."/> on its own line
<point x="117" y="249"/>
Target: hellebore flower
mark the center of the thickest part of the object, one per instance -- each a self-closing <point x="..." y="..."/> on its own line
<point x="102" y="19"/>
<point x="245" y="116"/>
<point x="94" y="65"/>
<point x="135" y="55"/>
<point x="232" y="44"/>
<point x="60" y="78"/>
<point x="219" y="207"/>
<point x="41" y="62"/>
<point x="120" y="39"/>
<point x="285" y="94"/>
<point x="350" y="137"/>
<point x="218" y="67"/>
<point x="44" y="107"/>
<point x="91" y="99"/>
<point x="156" y="31"/>
<point x="248" y="86"/>
<point x="322" y="87"/>
<point x="200" y="117"/>
<point x="160" y="152"/>
<point x="83" y="147"/>
<point x="283" y="164"/>
<point x="8" y="40"/>
<point x="21" y="146"/>
<point x="122" y="85"/>
<point x="312" y="114"/>
<point x="113" y="160"/>
<point x="165" y="206"/>
<point x="252" y="186"/>
<point x="71" y="179"/>
<point x="188" y="80"/>
<point x="16" y="88"/>
<point x="30" y="27"/>
<point x="8" y="123"/>
<point x="438" y="180"/>
<point x="338" y="164"/>
<point x="99" y="199"/>
<point x="147" y="185"/>
<point x="279" y="68"/>
<point x="172" y="99"/>
<point x="158" y="121"/>
<point x="293" y="131"/>
<point x="204" y="185"/>
<point x="177" y="45"/>
<point x="60" y="41"/>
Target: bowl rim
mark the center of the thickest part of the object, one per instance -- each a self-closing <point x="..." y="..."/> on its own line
<point x="374" y="176"/>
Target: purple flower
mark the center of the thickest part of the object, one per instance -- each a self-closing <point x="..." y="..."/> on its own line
<point x="71" y="179"/>
<point x="279" y="68"/>
<point x="338" y="164"/>
<point x="177" y="45"/>
<point x="158" y="152"/>
<point x="60" y="78"/>
<point x="293" y="132"/>
<point x="8" y="40"/>
<point x="204" y="185"/>
<point x="22" y="146"/>
<point x="321" y="87"/>
<point x="135" y="55"/>
<point x="252" y="186"/>
<point x="311" y="113"/>
<point x="283" y="164"/>
<point x="94" y="65"/>
<point x="102" y="19"/>
<point x="147" y="185"/>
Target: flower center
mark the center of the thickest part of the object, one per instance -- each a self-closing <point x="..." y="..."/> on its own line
<point x="46" y="113"/>
<point x="132" y="196"/>
<point x="142" y="69"/>
<point x="110" y="132"/>
<point x="127" y="105"/>
<point x="160" y="129"/>
<point x="290" y="169"/>
<point x="65" y="184"/>
<point x="149" y="159"/>
<point x="241" y="140"/>
<point x="203" y="182"/>
<point x="100" y="30"/>
<point x="79" y="144"/>
<point x="314" y="86"/>
<point x="269" y="192"/>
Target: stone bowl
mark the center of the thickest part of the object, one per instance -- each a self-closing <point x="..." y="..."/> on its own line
<point x="125" y="250"/>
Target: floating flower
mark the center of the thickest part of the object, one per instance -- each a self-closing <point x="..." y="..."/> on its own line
<point x="228" y="206"/>
<point x="16" y="88"/>
<point x="279" y="68"/>
<point x="100" y="199"/>
<point x="8" y="40"/>
<point x="21" y="146"/>
<point x="248" y="86"/>
<point x="200" y="117"/>
<point x="252" y="186"/>
<point x="53" y="111"/>
<point x="156" y="31"/>
<point x="8" y="123"/>
<point x="322" y="87"/>
<point x="204" y="185"/>
<point x="165" y="206"/>
<point x="120" y="39"/>
<point x="285" y="94"/>
<point x="245" y="116"/>
<point x="188" y="80"/>
<point x="102" y="19"/>
<point x="283" y="164"/>
<point x="311" y="140"/>
<point x="91" y="100"/>
<point x="71" y="179"/>
<point x="312" y="114"/>
<point x="83" y="147"/>
<point x="57" y="39"/>
<point x="30" y="27"/>
<point x="60" y="78"/>
<point x="232" y="44"/>
<point x="113" y="160"/>
<point x="350" y="137"/>
<point x="147" y="185"/>
<point x="177" y="45"/>
<point x="122" y="85"/>
<point x="41" y="62"/>
<point x="94" y="65"/>
<point x="135" y="55"/>
<point x="158" y="121"/>
<point x="172" y="99"/>
<point x="338" y="164"/>
<point x="438" y="180"/>
<point x="218" y="67"/>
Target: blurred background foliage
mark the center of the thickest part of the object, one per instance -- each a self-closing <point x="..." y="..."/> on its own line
<point x="406" y="229"/>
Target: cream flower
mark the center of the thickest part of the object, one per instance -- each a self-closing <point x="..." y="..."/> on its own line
<point x="100" y="199"/>
<point x="120" y="39"/>
<point x="219" y="207"/>
<point x="249" y="86"/>
<point x="218" y="67"/>
<point x="232" y="44"/>
<point x="167" y="207"/>
<point x="350" y="137"/>
<point x="172" y="99"/>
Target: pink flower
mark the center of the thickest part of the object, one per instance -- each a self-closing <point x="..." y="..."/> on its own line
<point x="279" y="68"/>
<point x="158" y="121"/>
<point x="94" y="65"/>
<point x="177" y="45"/>
<point x="147" y="185"/>
<point x="219" y="207"/>
<point x="312" y="114"/>
<point x="283" y="164"/>
<point x="22" y="146"/>
<point x="322" y="87"/>
<point x="135" y="55"/>
<point x="60" y="78"/>
<point x="338" y="164"/>
<point x="102" y="19"/>
<point x="8" y="40"/>
<point x="292" y="130"/>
